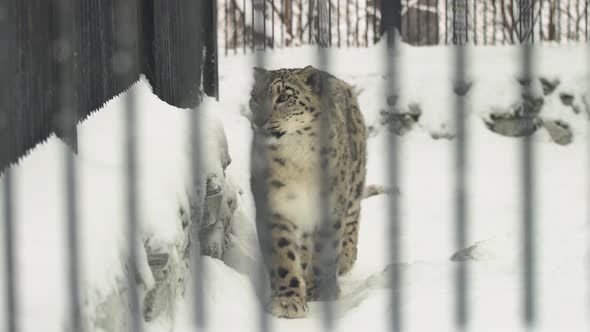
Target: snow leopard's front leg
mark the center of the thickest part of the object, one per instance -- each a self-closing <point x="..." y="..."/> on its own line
<point x="288" y="296"/>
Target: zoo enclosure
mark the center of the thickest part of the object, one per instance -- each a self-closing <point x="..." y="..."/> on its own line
<point x="388" y="16"/>
<point x="358" y="23"/>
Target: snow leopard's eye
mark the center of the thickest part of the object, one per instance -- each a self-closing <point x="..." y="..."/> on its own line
<point x="283" y="98"/>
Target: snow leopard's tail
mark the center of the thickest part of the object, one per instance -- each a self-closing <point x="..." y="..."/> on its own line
<point x="374" y="190"/>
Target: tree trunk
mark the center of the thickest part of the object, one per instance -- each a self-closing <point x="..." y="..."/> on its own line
<point x="324" y="27"/>
<point x="460" y="22"/>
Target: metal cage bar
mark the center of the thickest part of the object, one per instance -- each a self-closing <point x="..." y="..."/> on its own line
<point x="485" y="22"/>
<point x="540" y="20"/>
<point x="282" y="23"/>
<point x="67" y="82"/>
<point x="367" y="23"/>
<point x="356" y="22"/>
<point x="375" y="33"/>
<point x="259" y="164"/>
<point x="446" y="22"/>
<point x="133" y="222"/>
<point x="234" y="7"/>
<point x="127" y="38"/>
<point x="330" y="23"/>
<point x="226" y="25"/>
<point x="393" y="9"/>
<point x="494" y="27"/>
<point x="569" y="19"/>
<point x="577" y="21"/>
<point x="585" y="20"/>
<point x="475" y="22"/>
<point x="272" y="24"/>
<point x="461" y="213"/>
<point x="244" y="34"/>
<point x="417" y="17"/>
<point x="11" y="284"/>
<point x="347" y="22"/>
<point x="197" y="267"/>
<point x="328" y="270"/>
<point x="529" y="279"/>
<point x="7" y="187"/>
<point x="263" y="5"/>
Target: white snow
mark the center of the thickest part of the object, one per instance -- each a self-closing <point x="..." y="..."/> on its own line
<point x="426" y="195"/>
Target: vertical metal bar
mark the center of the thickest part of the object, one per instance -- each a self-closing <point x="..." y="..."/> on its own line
<point x="328" y="269"/>
<point x="466" y="21"/>
<point x="292" y="33"/>
<point x="213" y="39"/>
<point x="418" y="25"/>
<point x="197" y="267"/>
<point x="127" y="41"/>
<point x="7" y="199"/>
<point x="132" y="225"/>
<point x="356" y="19"/>
<point x="291" y="15"/>
<point x="576" y="21"/>
<point x="272" y="12"/>
<point x="520" y="19"/>
<point x="454" y="10"/>
<point x="375" y="33"/>
<point x="494" y="23"/>
<point x="446" y="22"/>
<point x="531" y="18"/>
<point x="234" y="6"/>
<point x="586" y="20"/>
<point x="226" y="15"/>
<point x="528" y="216"/>
<point x="461" y="216"/>
<point x="244" y="34"/>
<point x="259" y="164"/>
<point x="68" y="116"/>
<point x="475" y="22"/>
<point x="264" y="24"/>
<point x="504" y="39"/>
<point x="367" y="23"/>
<point x="338" y="22"/>
<point x="558" y="13"/>
<point x="569" y="19"/>
<point x="406" y="28"/>
<point x="282" y="14"/>
<point x="393" y="10"/>
<point x="310" y="21"/>
<point x="301" y="22"/>
<point x="11" y="286"/>
<point x="485" y="22"/>
<point x="428" y="21"/>
<point x="252" y="27"/>
<point x="330" y="22"/>
<point x="460" y="22"/>
<point x="347" y="23"/>
<point x="437" y="30"/>
<point x="541" y="20"/>
<point x="234" y="25"/>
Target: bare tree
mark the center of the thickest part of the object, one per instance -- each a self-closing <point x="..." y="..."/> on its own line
<point x="324" y="26"/>
<point x="460" y="22"/>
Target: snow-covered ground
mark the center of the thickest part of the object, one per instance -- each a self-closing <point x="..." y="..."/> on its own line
<point x="426" y="195"/>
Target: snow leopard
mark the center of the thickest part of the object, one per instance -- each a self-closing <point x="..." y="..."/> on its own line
<point x="287" y="107"/>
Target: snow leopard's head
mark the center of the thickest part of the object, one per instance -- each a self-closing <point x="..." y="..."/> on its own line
<point x="284" y="100"/>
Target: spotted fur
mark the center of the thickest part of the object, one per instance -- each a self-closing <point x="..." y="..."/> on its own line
<point x="286" y="107"/>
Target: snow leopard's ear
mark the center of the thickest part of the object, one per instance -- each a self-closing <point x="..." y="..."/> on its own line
<point x="259" y="73"/>
<point x="312" y="77"/>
